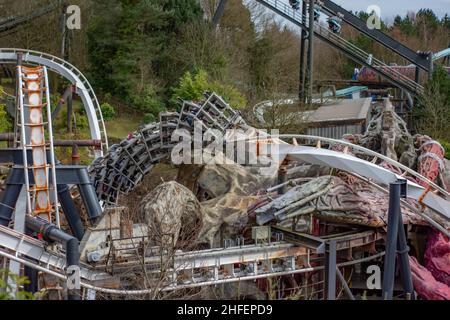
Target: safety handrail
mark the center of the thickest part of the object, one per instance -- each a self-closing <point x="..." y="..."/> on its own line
<point x="341" y="42"/>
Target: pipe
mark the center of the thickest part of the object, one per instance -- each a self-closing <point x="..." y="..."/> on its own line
<point x="71" y="212"/>
<point x="75" y="155"/>
<point x="51" y="233"/>
<point x="405" y="268"/>
<point x="282" y="179"/>
<point x="148" y="291"/>
<point x="89" y="197"/>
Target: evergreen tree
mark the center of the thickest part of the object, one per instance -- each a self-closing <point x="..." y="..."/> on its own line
<point x="131" y="45"/>
<point x="432" y="114"/>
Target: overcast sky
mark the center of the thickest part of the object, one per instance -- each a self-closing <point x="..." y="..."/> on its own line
<point x="390" y="8"/>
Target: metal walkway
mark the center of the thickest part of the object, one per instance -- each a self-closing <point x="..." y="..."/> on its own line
<point x="187" y="269"/>
<point x="11" y="23"/>
<point x="343" y="45"/>
<point x="380" y="37"/>
<point x="74" y="76"/>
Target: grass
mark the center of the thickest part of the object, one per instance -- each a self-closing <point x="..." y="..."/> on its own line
<point x="119" y="128"/>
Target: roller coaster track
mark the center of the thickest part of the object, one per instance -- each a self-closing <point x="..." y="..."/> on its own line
<point x="124" y="167"/>
<point x="332" y="9"/>
<point x="74" y="76"/>
<point x="260" y="108"/>
<point x="343" y="45"/>
<point x="128" y="162"/>
<point x="11" y="23"/>
<point x="379" y="36"/>
<point x="441" y="54"/>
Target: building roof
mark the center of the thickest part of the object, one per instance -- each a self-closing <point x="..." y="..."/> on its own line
<point x="343" y="110"/>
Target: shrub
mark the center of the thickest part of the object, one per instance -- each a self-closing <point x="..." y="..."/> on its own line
<point x="7" y="291"/>
<point x="108" y="112"/>
<point x="446" y="146"/>
<point x="192" y="86"/>
<point x="147" y="100"/>
<point x="230" y="94"/>
<point x="5" y="121"/>
<point x="81" y="121"/>
<point x="148" y="118"/>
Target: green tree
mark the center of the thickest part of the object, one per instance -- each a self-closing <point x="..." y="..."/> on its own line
<point x="405" y="25"/>
<point x="432" y="114"/>
<point x="131" y="45"/>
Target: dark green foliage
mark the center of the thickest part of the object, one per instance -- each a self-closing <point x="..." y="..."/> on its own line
<point x="131" y="48"/>
<point x="446" y="146"/>
<point x="193" y="86"/>
<point x="432" y="114"/>
<point x="148" y="118"/>
<point x="108" y="111"/>
<point x="426" y="18"/>
<point x="7" y="292"/>
<point x="405" y="25"/>
<point x="5" y="119"/>
<point x="446" y="21"/>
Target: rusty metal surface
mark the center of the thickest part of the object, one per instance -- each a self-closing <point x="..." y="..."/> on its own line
<point x="33" y="93"/>
<point x="9" y="136"/>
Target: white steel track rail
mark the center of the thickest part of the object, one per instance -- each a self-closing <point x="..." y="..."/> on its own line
<point x="72" y="74"/>
<point x="354" y="52"/>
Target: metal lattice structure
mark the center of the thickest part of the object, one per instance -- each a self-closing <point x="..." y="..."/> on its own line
<point x="343" y="45"/>
<point x="32" y="97"/>
<point x="74" y="76"/>
<point x="126" y="163"/>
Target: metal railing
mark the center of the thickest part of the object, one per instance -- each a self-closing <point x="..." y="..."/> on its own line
<point x="352" y="50"/>
<point x="66" y="68"/>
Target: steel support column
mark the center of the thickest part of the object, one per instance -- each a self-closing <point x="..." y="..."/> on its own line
<point x="330" y="270"/>
<point x="403" y="249"/>
<point x="310" y="50"/>
<point x="71" y="212"/>
<point x="303" y="35"/>
<point x="395" y="193"/>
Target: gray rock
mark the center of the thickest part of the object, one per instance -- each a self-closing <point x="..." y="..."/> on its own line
<point x="173" y="214"/>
